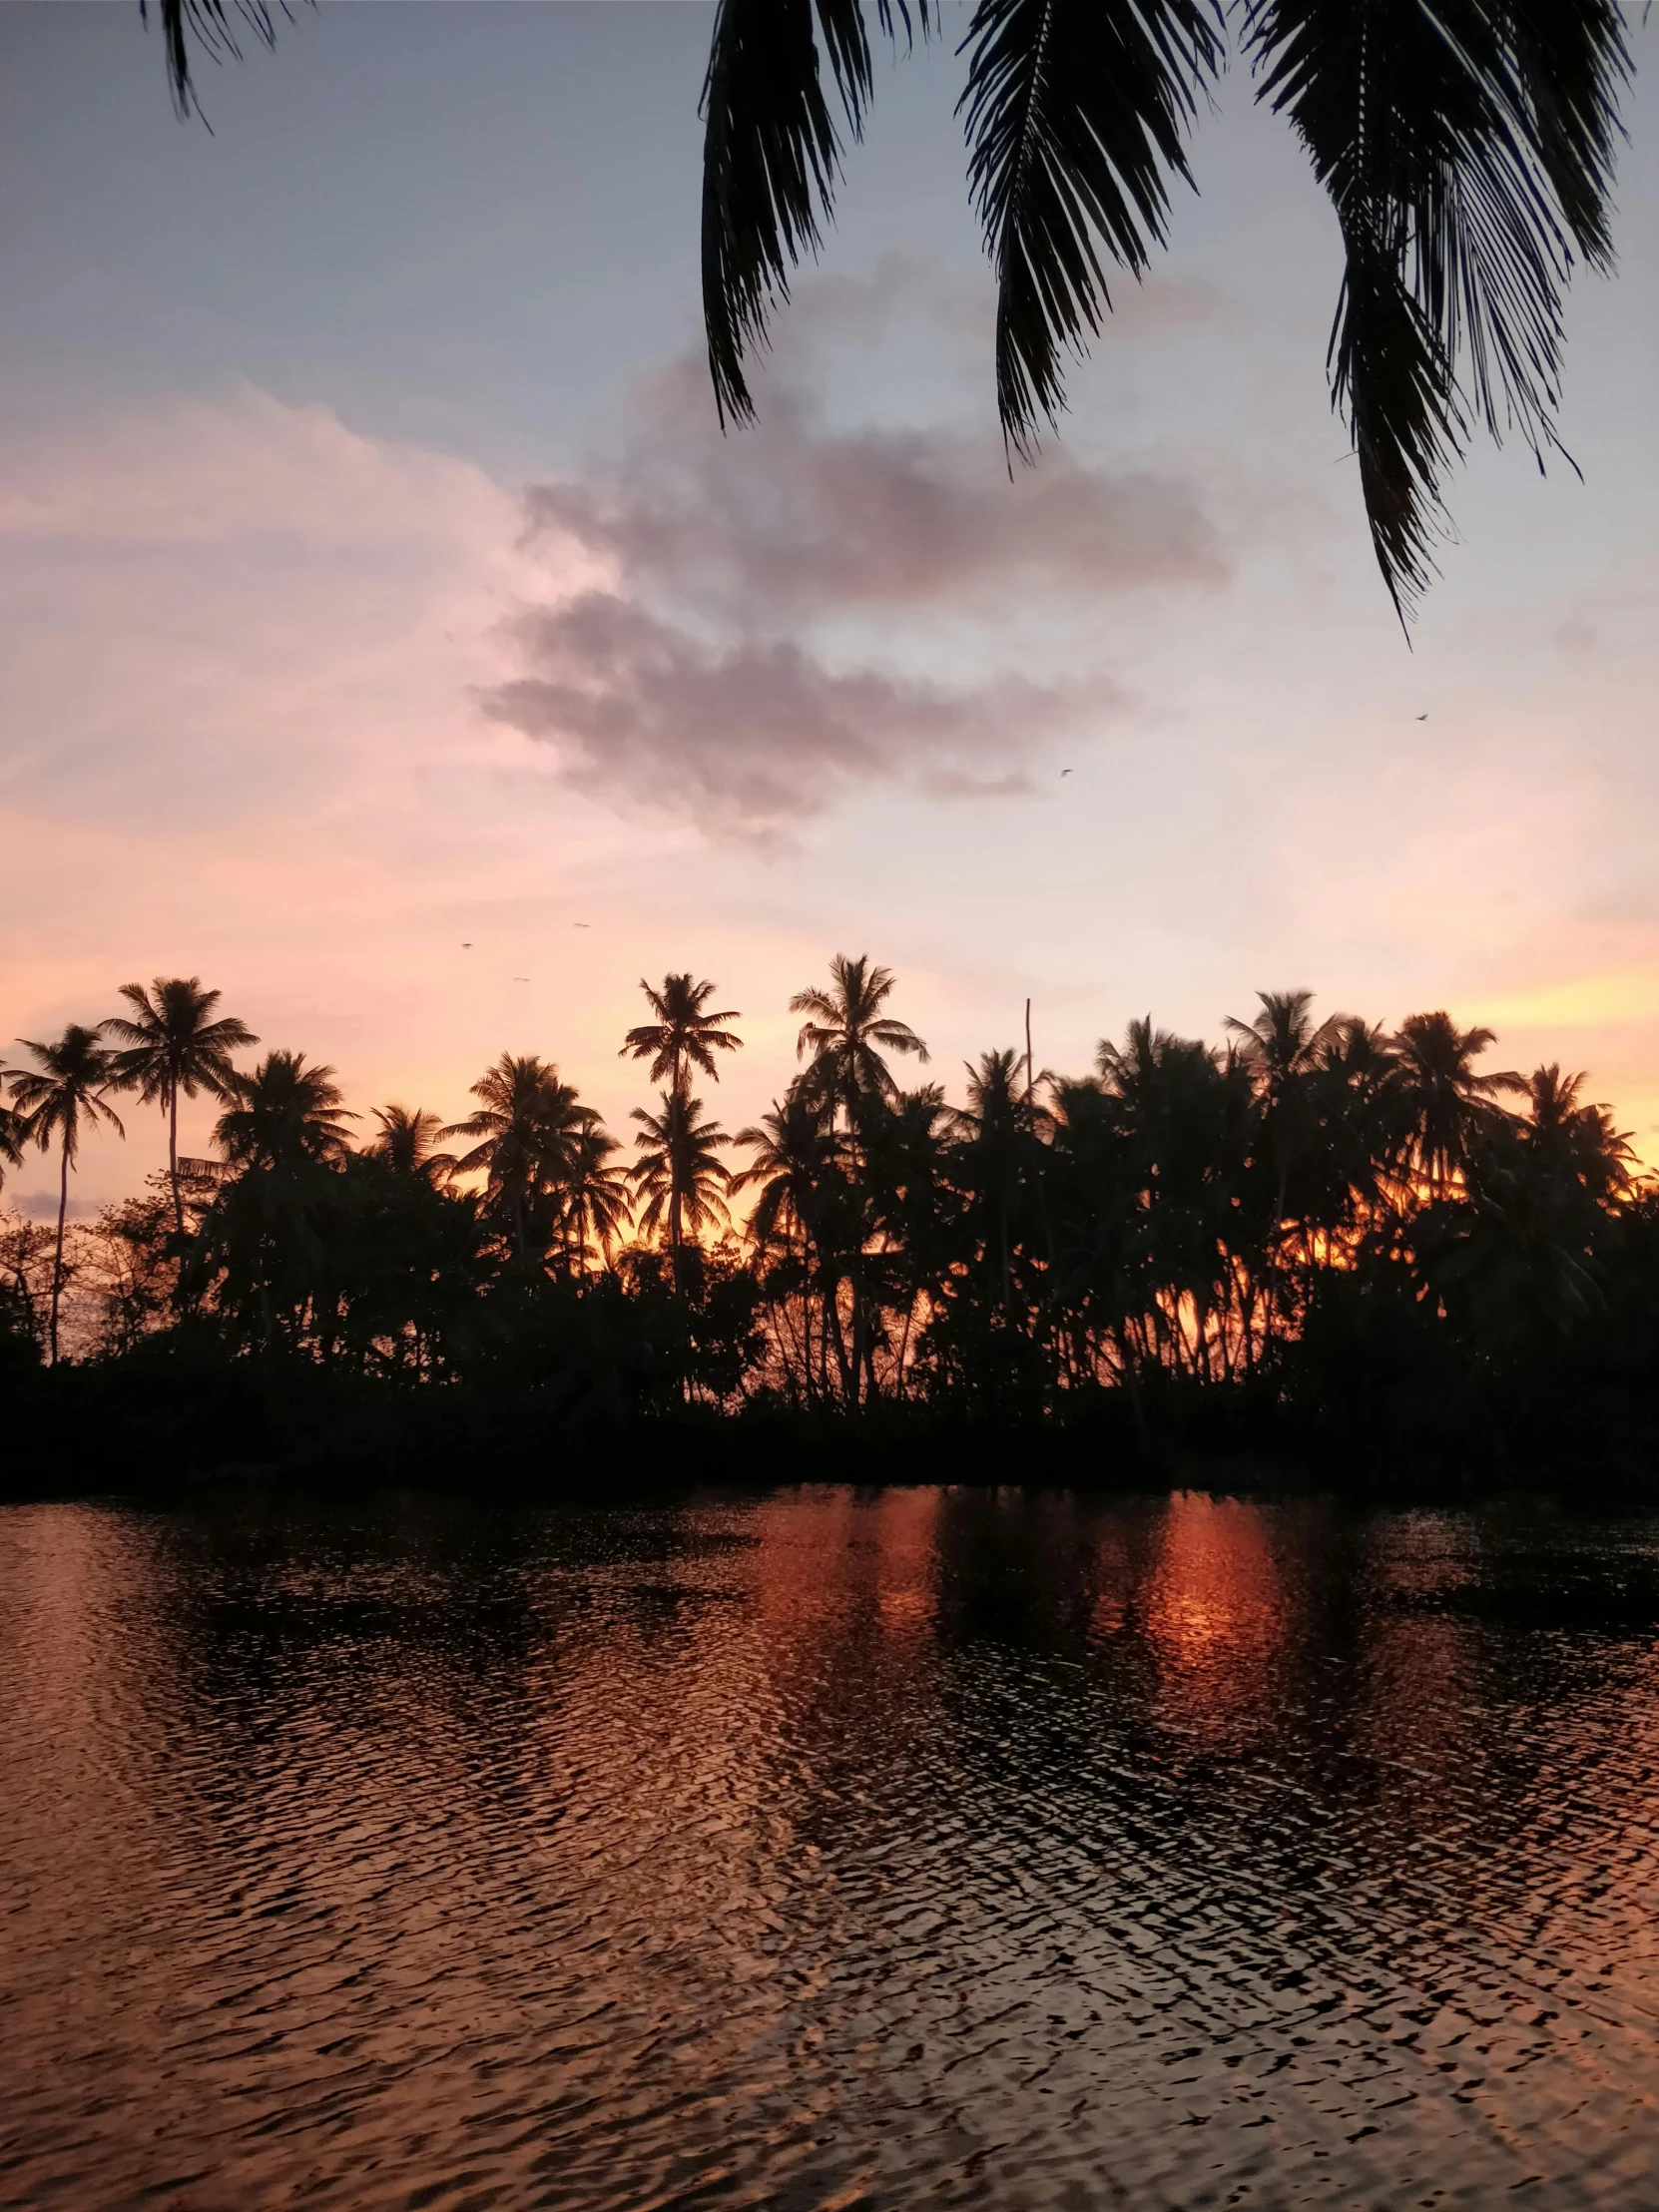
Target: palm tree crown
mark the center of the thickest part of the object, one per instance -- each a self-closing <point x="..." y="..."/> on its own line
<point x="1444" y="1102"/>
<point x="59" y="1098"/>
<point x="595" y="1194"/>
<point x="792" y="1149"/>
<point x="405" y="1142"/>
<point x="173" y="1045"/>
<point x="284" y="1115"/>
<point x="682" y="1181"/>
<point x="529" y="1125"/>
<point x="684" y="1036"/>
<point x="11" y="1140"/>
<point x="1578" y="1139"/>
<point x="847" y="1032"/>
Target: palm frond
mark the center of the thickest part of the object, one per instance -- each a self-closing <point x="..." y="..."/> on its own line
<point x="208" y="27"/>
<point x="772" y="158"/>
<point x="1077" y="111"/>
<point x="1466" y="146"/>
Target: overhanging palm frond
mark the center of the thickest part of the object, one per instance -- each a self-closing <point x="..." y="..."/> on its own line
<point x="1468" y="149"/>
<point x="1075" y="112"/>
<point x="209" y="26"/>
<point x="772" y="158"/>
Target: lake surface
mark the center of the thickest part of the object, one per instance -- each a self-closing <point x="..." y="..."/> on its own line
<point x="828" y="1848"/>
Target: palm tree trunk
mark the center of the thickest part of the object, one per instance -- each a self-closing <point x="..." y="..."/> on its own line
<point x="172" y="1158"/>
<point x="57" y="1265"/>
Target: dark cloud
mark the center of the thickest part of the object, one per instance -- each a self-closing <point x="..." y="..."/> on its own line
<point x="794" y="520"/>
<point x="756" y="735"/>
<point x="705" y="675"/>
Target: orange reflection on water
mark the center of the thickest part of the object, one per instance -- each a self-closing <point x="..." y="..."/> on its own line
<point x="1216" y="1610"/>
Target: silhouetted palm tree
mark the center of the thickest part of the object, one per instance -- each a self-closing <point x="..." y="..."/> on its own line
<point x="529" y="1124"/>
<point x="1000" y="1159"/>
<point x="847" y="1033"/>
<point x="790" y="1147"/>
<point x="283" y="1116"/>
<point x="11" y="1136"/>
<point x="1358" y="1099"/>
<point x="682" y="1181"/>
<point x="405" y="1142"/>
<point x="1284" y="1049"/>
<point x="1468" y="158"/>
<point x="684" y="1036"/>
<point x="1445" y="1104"/>
<point x="1573" y="1140"/>
<point x="174" y="1045"/>
<point x="800" y="1220"/>
<point x="60" y="1097"/>
<point x="594" y="1195"/>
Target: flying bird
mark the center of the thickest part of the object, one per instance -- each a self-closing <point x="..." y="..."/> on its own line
<point x="1422" y="718"/>
<point x="1065" y="772"/>
<point x="521" y="980"/>
<point x="581" y="925"/>
<point x="467" y="946"/>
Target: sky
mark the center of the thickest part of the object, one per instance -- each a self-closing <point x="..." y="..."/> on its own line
<point x="393" y="639"/>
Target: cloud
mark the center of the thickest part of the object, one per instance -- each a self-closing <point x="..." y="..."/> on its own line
<point x="817" y="601"/>
<point x="755" y="734"/>
<point x="794" y="520"/>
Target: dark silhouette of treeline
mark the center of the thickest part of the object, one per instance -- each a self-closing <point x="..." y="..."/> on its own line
<point x="1316" y="1242"/>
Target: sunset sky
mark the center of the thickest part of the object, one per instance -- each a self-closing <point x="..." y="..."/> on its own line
<point x="374" y="580"/>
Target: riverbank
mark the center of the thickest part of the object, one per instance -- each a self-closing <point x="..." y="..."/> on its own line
<point x="178" y="1421"/>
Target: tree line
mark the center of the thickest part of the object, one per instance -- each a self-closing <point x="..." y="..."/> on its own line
<point x="1312" y="1215"/>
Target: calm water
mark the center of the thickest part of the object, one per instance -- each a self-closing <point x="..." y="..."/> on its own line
<point x="918" y="1848"/>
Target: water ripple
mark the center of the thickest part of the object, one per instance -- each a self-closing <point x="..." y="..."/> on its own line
<point x="827" y="1850"/>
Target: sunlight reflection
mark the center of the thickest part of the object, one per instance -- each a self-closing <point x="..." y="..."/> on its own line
<point x="1216" y="1611"/>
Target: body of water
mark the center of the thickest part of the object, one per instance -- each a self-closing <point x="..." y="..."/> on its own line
<point x="828" y="1848"/>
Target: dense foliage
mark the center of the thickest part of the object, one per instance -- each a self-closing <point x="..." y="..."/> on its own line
<point x="1313" y="1230"/>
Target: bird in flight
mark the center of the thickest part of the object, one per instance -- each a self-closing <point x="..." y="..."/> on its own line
<point x="467" y="946"/>
<point x="1065" y="772"/>
<point x="521" y="980"/>
<point x="1422" y="718"/>
<point x="581" y="925"/>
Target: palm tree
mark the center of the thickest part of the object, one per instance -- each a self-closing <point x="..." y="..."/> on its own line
<point x="1577" y="1141"/>
<point x="1445" y="1104"/>
<point x="844" y="1031"/>
<point x="11" y="1133"/>
<point x="683" y="1183"/>
<point x="793" y="1152"/>
<point x="60" y="1098"/>
<point x="1186" y="1116"/>
<point x="1468" y="158"/>
<point x="999" y="1156"/>
<point x="174" y="1044"/>
<point x="594" y="1194"/>
<point x="800" y="1216"/>
<point x="1360" y="1106"/>
<point x="405" y="1142"/>
<point x="684" y="1036"/>
<point x="529" y="1125"/>
<point x="283" y="1116"/>
<point x="1284" y="1049"/>
<point x="847" y="1032"/>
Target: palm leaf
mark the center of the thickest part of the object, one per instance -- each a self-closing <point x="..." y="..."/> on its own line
<point x="210" y="27"/>
<point x="1466" y="146"/>
<point x="772" y="158"/>
<point x="1075" y="115"/>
